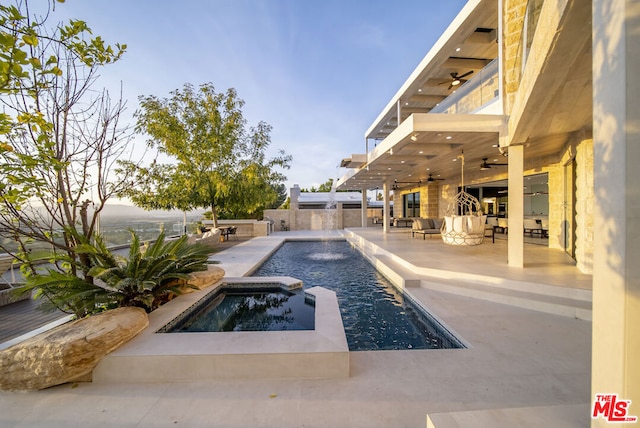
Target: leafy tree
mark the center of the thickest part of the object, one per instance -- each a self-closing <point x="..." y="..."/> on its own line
<point x="324" y="187"/>
<point x="218" y="163"/>
<point x="327" y="186"/>
<point x="59" y="137"/>
<point x="281" y="189"/>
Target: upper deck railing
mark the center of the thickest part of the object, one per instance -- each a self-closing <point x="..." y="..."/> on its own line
<point x="474" y="94"/>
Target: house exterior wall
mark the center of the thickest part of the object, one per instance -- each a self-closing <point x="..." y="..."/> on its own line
<point x="571" y="196"/>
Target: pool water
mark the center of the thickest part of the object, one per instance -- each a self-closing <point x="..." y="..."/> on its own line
<point x="238" y="309"/>
<point x="375" y="315"/>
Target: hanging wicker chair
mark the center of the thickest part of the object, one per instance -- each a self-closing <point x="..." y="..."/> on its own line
<point x="463" y="221"/>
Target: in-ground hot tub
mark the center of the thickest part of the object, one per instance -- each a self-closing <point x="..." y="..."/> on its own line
<point x="153" y="356"/>
<point x="258" y="307"/>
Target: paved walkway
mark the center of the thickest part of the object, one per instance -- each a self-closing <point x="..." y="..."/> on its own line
<point x="516" y="358"/>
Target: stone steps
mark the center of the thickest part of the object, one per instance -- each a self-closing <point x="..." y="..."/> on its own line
<point x="574" y="415"/>
<point x="540" y="301"/>
<point x="564" y="301"/>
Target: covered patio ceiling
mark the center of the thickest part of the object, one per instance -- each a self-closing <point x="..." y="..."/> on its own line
<point x="428" y="146"/>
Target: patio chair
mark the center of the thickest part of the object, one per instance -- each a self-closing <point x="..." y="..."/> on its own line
<point x="503" y="225"/>
<point x="544" y="228"/>
<point x="232" y="232"/>
<point x="531" y="226"/>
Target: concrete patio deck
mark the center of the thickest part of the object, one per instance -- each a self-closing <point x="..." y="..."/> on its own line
<point x="517" y="358"/>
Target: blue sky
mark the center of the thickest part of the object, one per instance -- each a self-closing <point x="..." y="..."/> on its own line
<point x="319" y="72"/>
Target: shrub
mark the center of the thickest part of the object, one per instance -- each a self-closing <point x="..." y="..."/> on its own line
<point x="147" y="278"/>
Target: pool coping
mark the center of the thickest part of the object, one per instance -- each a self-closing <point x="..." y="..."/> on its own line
<point x="179" y="357"/>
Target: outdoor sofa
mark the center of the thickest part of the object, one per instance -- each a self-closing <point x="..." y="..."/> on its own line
<point x="426" y="226"/>
<point x="210" y="238"/>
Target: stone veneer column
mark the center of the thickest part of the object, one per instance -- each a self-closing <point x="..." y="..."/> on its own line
<point x="514" y="11"/>
<point x="616" y="141"/>
<point x="385" y="209"/>
<point x="364" y="209"/>
<point x="429" y="196"/>
<point x="556" y="206"/>
<point x="584" y="206"/>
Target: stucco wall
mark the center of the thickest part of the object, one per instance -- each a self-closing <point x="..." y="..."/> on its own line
<point x="316" y="219"/>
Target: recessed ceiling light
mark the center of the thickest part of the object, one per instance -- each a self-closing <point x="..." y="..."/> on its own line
<point x="388" y="169"/>
<point x="457" y="49"/>
<point x="402" y="161"/>
<point x="495" y="145"/>
<point x="407" y="103"/>
<point x="428" y="169"/>
<point x="419" y="89"/>
<point x="448" y="137"/>
<point x="455" y="159"/>
<point x="420" y="152"/>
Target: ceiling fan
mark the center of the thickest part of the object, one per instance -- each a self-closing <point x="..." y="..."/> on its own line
<point x="431" y="179"/>
<point x="485" y="166"/>
<point x="457" y="80"/>
<point x="535" y="193"/>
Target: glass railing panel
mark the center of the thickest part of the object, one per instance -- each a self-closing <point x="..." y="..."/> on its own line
<point x="529" y="26"/>
<point x="474" y="94"/>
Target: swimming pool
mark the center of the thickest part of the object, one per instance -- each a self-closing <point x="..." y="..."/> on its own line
<point x="375" y="315"/>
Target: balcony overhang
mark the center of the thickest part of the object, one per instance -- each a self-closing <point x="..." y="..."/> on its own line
<point x="355" y="161"/>
<point x="467" y="45"/>
<point x="427" y="144"/>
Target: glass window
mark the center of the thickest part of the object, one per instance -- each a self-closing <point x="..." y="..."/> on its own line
<point x="411" y="204"/>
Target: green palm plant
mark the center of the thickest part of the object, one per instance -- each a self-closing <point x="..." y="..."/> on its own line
<point x="146" y="278"/>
